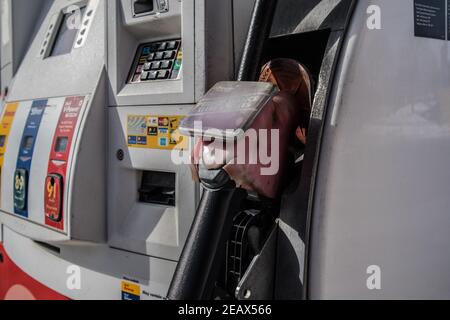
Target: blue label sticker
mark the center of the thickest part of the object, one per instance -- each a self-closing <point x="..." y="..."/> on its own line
<point x="164" y="131"/>
<point x="25" y="157"/>
<point x="132" y="139"/>
<point x="130" y="297"/>
<point x="163" y="142"/>
<point x="142" y="140"/>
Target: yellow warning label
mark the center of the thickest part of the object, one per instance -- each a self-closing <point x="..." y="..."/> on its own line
<point x="131" y="288"/>
<point x="5" y="128"/>
<point x="155" y="132"/>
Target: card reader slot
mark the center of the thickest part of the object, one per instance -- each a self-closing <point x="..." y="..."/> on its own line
<point x="157" y="188"/>
<point x="143" y="6"/>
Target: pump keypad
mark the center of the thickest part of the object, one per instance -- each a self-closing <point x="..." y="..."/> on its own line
<point x="157" y="61"/>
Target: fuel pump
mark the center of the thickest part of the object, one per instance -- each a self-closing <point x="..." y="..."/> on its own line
<point x="87" y="175"/>
<point x="52" y="126"/>
<point x="109" y="93"/>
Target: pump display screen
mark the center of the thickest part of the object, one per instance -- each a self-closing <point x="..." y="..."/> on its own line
<point x="28" y="142"/>
<point x="67" y="32"/>
<point x="61" y="144"/>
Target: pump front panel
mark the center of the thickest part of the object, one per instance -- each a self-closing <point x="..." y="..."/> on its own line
<point x="38" y="153"/>
<point x="161" y="59"/>
<point x="57" y="101"/>
<point x="156" y="198"/>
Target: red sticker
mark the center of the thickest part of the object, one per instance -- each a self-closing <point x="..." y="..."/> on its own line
<point x="57" y="167"/>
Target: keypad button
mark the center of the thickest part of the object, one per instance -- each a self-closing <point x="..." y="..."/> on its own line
<point x="144" y="75"/>
<point x="152" y="75"/>
<point x="172" y="45"/>
<point x="162" y="46"/>
<point x="156" y="65"/>
<point x="163" y="74"/>
<point x="166" y="64"/>
<point x="139" y="68"/>
<point x="169" y="55"/>
<point x="156" y="60"/>
<point x="147" y="66"/>
<point x="153" y="47"/>
<point x="146" y="51"/>
<point x="159" y="55"/>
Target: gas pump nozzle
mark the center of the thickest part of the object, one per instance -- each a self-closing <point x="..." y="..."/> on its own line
<point x="225" y="122"/>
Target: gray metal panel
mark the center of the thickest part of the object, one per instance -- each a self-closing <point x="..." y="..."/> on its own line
<point x="382" y="189"/>
<point x="65" y="75"/>
<point x="297" y="201"/>
<point x="206" y="29"/>
<point x="150" y="229"/>
<point x="296" y="16"/>
<point x="125" y="33"/>
<point x="102" y="269"/>
<point x="242" y="11"/>
<point x="87" y="180"/>
<point x="27" y="17"/>
<point x="20" y="21"/>
<point x="6" y="33"/>
<point x="214" y="44"/>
